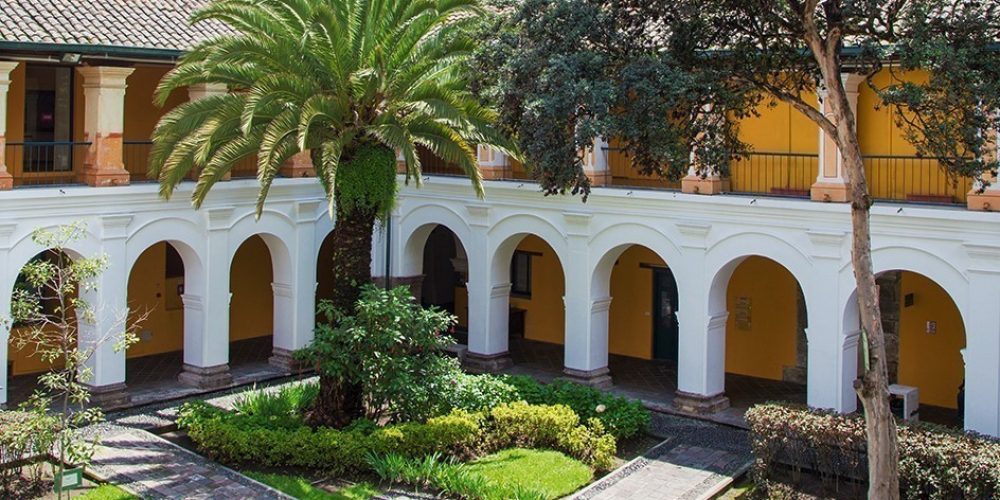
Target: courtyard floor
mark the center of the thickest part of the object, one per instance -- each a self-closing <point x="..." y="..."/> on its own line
<point x="154" y="378"/>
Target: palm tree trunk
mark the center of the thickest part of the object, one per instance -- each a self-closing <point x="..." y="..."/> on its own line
<point x="339" y="403"/>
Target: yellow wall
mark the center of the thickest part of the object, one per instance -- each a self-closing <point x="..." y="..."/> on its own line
<point x="780" y="129"/>
<point x="141" y="114"/>
<point x="630" y="322"/>
<point x="877" y="130"/>
<point x="769" y="344"/>
<point x="462" y="306"/>
<point x="930" y="362"/>
<point x="151" y="292"/>
<point x="545" y="313"/>
<point x="15" y="105"/>
<point x="251" y="311"/>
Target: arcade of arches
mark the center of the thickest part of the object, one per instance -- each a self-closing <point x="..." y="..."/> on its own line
<point x="766" y="330"/>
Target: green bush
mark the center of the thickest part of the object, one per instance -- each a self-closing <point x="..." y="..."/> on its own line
<point x="24" y="436"/>
<point x="236" y="438"/>
<point x="934" y="462"/>
<point x="476" y="392"/>
<point x="622" y="417"/>
<point x="543" y="426"/>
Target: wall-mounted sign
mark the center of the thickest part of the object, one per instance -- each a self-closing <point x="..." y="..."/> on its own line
<point x="742" y="313"/>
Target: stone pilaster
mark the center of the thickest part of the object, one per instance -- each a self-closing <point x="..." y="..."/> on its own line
<point x="831" y="182"/>
<point x="6" y="68"/>
<point x="104" y="122"/>
<point x="493" y="164"/>
<point x="487" y="363"/>
<point x="206" y="378"/>
<point x="699" y="405"/>
<point x="595" y="163"/>
<point x="599" y="378"/>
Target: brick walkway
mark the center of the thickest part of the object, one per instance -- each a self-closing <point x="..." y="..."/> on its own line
<point x="697" y="461"/>
<point x="152" y="468"/>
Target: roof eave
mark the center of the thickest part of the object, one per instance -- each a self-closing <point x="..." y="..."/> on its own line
<point x="92" y="50"/>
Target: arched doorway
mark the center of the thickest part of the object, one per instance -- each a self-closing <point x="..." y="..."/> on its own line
<point x="643" y="322"/>
<point x="925" y="338"/>
<point x="24" y="365"/>
<point x="156" y="285"/>
<point x="445" y="271"/>
<point x="537" y="321"/>
<point x="765" y="340"/>
<point x="251" y="306"/>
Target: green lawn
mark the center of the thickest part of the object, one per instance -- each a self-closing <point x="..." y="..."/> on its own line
<point x="107" y="492"/>
<point x="546" y="471"/>
<point x="299" y="487"/>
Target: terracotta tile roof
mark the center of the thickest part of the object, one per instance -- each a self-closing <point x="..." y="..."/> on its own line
<point x="146" y="24"/>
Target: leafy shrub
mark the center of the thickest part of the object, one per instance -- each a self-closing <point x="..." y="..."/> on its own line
<point x="622" y="417"/>
<point x="290" y="400"/>
<point x="476" y="392"/>
<point x="24" y="436"/>
<point x="934" y="462"/>
<point x="557" y="427"/>
<point x="445" y="475"/>
<point x="280" y="441"/>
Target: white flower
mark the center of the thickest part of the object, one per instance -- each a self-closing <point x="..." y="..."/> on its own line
<point x="601" y="408"/>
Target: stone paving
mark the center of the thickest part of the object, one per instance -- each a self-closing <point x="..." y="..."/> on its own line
<point x="153" y="468"/>
<point x="697" y="460"/>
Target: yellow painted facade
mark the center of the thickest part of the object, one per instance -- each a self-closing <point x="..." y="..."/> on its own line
<point x="251" y="310"/>
<point x="153" y="293"/>
<point x="762" y="328"/>
<point x="141" y="114"/>
<point x="544" y="318"/>
<point x="630" y="319"/>
<point x="929" y="355"/>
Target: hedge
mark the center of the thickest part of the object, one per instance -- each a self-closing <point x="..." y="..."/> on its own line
<point x="273" y="441"/>
<point x="934" y="462"/>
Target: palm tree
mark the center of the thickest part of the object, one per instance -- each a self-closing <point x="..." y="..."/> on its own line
<point x="354" y="83"/>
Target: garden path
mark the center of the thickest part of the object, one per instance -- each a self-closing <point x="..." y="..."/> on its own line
<point x="697" y="460"/>
<point x="151" y="468"/>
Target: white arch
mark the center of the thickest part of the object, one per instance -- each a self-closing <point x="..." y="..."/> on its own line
<point x="724" y="256"/>
<point x="184" y="235"/>
<point x="416" y="227"/>
<point x="507" y="233"/>
<point x="275" y="228"/>
<point x="610" y="243"/>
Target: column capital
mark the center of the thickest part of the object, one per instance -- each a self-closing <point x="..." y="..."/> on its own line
<point x="6" y="68"/>
<point x="694" y="234"/>
<point x="595" y="162"/>
<point x="104" y="77"/>
<point x="115" y="226"/>
<point x="218" y="218"/>
<point x="307" y="211"/>
<point x="479" y="214"/>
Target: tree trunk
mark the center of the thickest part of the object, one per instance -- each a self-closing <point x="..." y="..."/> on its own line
<point x="339" y="403"/>
<point x="873" y="386"/>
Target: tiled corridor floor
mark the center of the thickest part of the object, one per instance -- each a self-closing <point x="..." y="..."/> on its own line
<point x="154" y="378"/>
<point x="655" y="382"/>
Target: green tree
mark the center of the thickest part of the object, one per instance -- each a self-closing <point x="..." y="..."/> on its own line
<point x="354" y="82"/>
<point x="672" y="77"/>
<point x="48" y="307"/>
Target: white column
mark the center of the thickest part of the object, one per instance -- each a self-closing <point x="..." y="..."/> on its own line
<point x="206" y="311"/>
<point x="6" y="181"/>
<point x="586" y="337"/>
<point x="982" y="342"/>
<point x="104" y="124"/>
<point x="831" y="183"/>
<point x="595" y="162"/>
<point x="701" y="363"/>
<point x="295" y="302"/>
<point x="203" y="90"/>
<point x="110" y="307"/>
<point x="7" y="277"/>
<point x="489" y="300"/>
<point x="833" y="346"/>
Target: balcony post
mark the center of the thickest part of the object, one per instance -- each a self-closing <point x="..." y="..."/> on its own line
<point x="493" y="164"/>
<point x="831" y="183"/>
<point x="104" y="122"/>
<point x="595" y="163"/>
<point x="986" y="199"/>
<point x="696" y="182"/>
<point x="6" y="68"/>
<point x="299" y="165"/>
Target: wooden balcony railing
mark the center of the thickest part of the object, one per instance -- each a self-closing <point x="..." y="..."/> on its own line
<point x="135" y="155"/>
<point x="36" y="163"/>
<point x="624" y="173"/>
